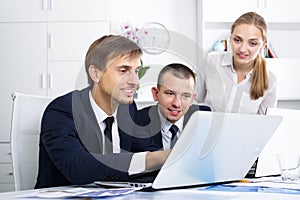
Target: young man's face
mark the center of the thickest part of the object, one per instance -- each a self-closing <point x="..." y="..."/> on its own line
<point x="120" y="80"/>
<point x="175" y="96"/>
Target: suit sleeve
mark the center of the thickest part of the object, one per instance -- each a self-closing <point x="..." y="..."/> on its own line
<point x="71" y="157"/>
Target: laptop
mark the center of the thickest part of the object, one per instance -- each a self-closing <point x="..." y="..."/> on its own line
<point x="285" y="140"/>
<point x="213" y="148"/>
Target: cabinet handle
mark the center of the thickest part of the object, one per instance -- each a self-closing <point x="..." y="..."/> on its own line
<point x="44" y="4"/>
<point x="49" y="41"/>
<point x="43" y="81"/>
<point x="265" y="4"/>
<point x="10" y="173"/>
<point x="50" y="81"/>
<point x="47" y="4"/>
<point x="50" y="5"/>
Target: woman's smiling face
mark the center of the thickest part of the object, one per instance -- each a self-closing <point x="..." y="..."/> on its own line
<point x="246" y="43"/>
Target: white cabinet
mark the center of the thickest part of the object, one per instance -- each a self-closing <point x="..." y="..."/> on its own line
<point x="280" y="11"/>
<point x="216" y="16"/>
<point x="43" y="46"/>
<point x="70" y="40"/>
<point x="227" y="11"/>
<point x="23" y="65"/>
<point x="57" y="73"/>
<point x="78" y="10"/>
<point x="68" y="43"/>
<point x="6" y="175"/>
<point x="34" y="49"/>
<point x="54" y="10"/>
<point x="23" y="11"/>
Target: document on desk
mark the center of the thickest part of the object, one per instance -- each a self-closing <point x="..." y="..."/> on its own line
<point x="79" y="192"/>
<point x="266" y="185"/>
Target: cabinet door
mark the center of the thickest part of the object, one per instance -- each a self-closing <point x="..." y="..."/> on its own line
<point x="66" y="53"/>
<point x="23" y="64"/>
<point x="6" y="187"/>
<point x="6" y="173"/>
<point x="281" y="11"/>
<point x="20" y="10"/>
<point x="78" y="10"/>
<point x="5" y="153"/>
<point x="227" y="11"/>
<point x="65" y="76"/>
<point x="70" y="40"/>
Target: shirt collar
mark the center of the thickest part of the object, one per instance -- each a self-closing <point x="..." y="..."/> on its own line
<point x="100" y="114"/>
<point x="166" y="124"/>
<point x="227" y="59"/>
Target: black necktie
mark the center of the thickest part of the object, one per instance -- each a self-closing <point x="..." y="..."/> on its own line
<point x="173" y="130"/>
<point x="108" y="135"/>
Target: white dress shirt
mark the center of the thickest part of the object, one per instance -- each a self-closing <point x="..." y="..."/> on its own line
<point x="138" y="161"/>
<point x="165" y="130"/>
<point x="217" y="87"/>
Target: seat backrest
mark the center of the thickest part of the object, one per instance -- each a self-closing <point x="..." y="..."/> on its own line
<point x="144" y="92"/>
<point x="25" y="129"/>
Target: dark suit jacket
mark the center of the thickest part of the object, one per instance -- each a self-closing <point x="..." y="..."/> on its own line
<point x="71" y="143"/>
<point x="149" y="127"/>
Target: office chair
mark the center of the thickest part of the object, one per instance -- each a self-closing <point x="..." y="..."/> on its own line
<point x="144" y="95"/>
<point x="24" y="136"/>
<point x="144" y="91"/>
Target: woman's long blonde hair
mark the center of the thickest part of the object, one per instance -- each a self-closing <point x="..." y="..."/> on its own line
<point x="259" y="79"/>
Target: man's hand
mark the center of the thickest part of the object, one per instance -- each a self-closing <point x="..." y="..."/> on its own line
<point x="155" y="159"/>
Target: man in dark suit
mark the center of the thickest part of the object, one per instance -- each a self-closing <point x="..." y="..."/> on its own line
<point x="163" y="122"/>
<point x="83" y="133"/>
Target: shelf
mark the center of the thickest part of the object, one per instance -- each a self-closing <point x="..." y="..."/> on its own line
<point x="287" y="71"/>
<point x="271" y="25"/>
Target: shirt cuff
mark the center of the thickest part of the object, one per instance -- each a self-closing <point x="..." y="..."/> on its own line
<point x="138" y="163"/>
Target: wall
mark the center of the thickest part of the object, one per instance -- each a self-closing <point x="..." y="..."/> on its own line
<point x="179" y="17"/>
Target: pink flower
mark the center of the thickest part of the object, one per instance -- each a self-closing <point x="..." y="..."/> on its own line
<point x="134" y="33"/>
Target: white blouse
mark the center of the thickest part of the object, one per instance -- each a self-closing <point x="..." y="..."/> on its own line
<point x="217" y="87"/>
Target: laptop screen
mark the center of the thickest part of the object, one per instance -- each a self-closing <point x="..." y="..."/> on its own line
<point x="216" y="147"/>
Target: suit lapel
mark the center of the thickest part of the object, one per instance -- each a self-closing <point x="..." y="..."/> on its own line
<point x="155" y="126"/>
<point x="85" y="121"/>
<point x="125" y="125"/>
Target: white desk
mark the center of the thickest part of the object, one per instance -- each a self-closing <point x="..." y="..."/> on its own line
<point x="186" y="194"/>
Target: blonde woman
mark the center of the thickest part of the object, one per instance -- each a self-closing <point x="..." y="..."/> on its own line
<point x="239" y="81"/>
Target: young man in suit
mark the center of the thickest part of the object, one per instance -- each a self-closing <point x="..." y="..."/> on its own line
<point x="163" y="122"/>
<point x="74" y="147"/>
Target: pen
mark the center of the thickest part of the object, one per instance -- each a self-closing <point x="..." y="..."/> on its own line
<point x="246" y="181"/>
